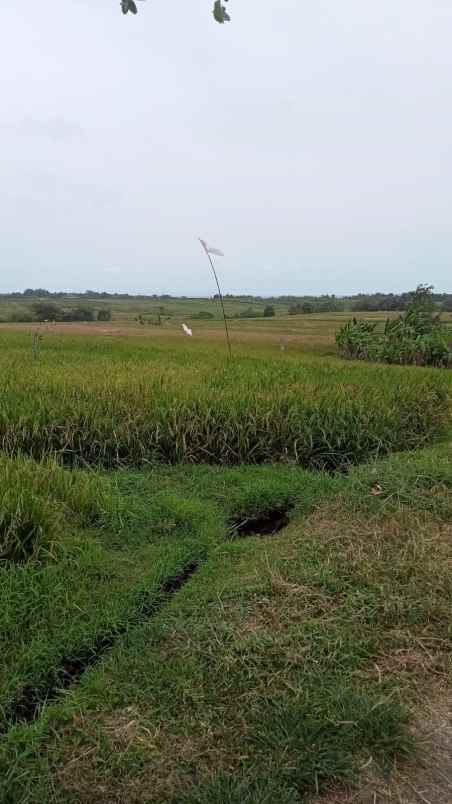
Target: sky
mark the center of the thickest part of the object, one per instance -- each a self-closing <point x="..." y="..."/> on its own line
<point x="311" y="142"/>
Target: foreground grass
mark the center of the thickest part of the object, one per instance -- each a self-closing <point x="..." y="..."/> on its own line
<point x="116" y="404"/>
<point x="275" y="672"/>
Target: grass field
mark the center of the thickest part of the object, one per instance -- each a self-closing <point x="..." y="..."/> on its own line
<point x="196" y="605"/>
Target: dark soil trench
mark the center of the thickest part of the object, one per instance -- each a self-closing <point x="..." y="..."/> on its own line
<point x="267" y="524"/>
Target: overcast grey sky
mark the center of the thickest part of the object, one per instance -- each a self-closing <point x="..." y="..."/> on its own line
<point x="311" y="141"/>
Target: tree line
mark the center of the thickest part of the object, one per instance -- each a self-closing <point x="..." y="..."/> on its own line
<point x="49" y="311"/>
<point x="297" y="305"/>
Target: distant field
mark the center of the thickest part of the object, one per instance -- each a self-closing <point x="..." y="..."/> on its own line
<point x="129" y="309"/>
<point x="314" y="331"/>
<point x="310" y="333"/>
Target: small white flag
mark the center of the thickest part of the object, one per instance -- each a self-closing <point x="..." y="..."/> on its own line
<point x="211" y="249"/>
<point x="187" y="330"/>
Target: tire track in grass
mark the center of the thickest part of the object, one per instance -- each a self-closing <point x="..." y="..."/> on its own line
<point x="29" y="706"/>
<point x="33" y="699"/>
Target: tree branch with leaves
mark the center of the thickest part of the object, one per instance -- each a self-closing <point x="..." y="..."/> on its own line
<point x="219" y="10"/>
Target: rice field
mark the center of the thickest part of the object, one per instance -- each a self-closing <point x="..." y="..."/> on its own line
<point x="117" y="402"/>
<point x="221" y="582"/>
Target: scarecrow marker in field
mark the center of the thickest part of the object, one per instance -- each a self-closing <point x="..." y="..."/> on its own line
<point x="36" y="342"/>
<point x="216" y="251"/>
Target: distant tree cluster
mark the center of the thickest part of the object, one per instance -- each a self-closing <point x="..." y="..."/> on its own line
<point x="362" y="303"/>
<point x="49" y="311"/>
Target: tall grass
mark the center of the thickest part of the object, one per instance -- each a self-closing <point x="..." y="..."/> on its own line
<point x="117" y="404"/>
<point x="39" y="502"/>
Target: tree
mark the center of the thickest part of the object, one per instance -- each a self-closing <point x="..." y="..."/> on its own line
<point x="47" y="311"/>
<point x="422" y="299"/>
<point x="269" y="311"/>
<point x="420" y="313"/>
<point x="36" y="292"/>
<point x="307" y="307"/>
<point x="79" y="314"/>
<point x="104" y="314"/>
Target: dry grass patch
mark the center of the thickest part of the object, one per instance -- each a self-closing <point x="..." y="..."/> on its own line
<point x="427" y="779"/>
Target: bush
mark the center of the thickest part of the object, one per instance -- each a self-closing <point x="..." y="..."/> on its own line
<point x="356" y="339"/>
<point x="269" y="311"/>
<point x="79" y="314"/>
<point x="305" y="308"/>
<point x="417" y="337"/>
<point x="104" y="314"/>
<point x="203" y="315"/>
<point x="250" y="313"/>
<point x="48" y="311"/>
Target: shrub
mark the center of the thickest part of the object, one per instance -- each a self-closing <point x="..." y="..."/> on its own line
<point x="79" y="314"/>
<point x="203" y="315"/>
<point x="269" y="311"/>
<point x="356" y="339"/>
<point x="104" y="314"/>
<point x="250" y="313"/>
<point x="417" y="337"/>
<point x="48" y="311"/>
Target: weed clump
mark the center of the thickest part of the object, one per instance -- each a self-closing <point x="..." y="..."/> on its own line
<point x="27" y="525"/>
<point x="39" y="500"/>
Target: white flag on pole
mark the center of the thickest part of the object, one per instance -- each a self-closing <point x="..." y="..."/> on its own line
<point x="211" y="249"/>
